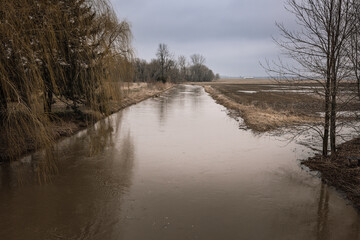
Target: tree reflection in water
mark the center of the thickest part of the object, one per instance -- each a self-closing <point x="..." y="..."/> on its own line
<point x="43" y="165"/>
<point x="323" y="212"/>
<point x="95" y="170"/>
<point x="100" y="137"/>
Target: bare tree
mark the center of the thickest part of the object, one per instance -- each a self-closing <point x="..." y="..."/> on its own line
<point x="197" y="70"/>
<point x="197" y="59"/>
<point x="182" y="67"/>
<point x="354" y="48"/>
<point x="165" y="60"/>
<point x="171" y="70"/>
<point x="319" y="49"/>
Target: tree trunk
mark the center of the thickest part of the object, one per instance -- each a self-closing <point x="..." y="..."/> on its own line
<point x="327" y="104"/>
<point x="333" y="126"/>
<point x="326" y="123"/>
<point x="3" y="105"/>
<point x="48" y="98"/>
<point x="333" y="114"/>
<point x="336" y="56"/>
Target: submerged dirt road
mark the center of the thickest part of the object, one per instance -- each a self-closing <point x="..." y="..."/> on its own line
<point x="173" y="167"/>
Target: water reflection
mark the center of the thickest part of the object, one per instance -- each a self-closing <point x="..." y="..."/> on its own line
<point x="327" y="212"/>
<point x="196" y="101"/>
<point x="322" y="215"/>
<point x="95" y="170"/>
<point x="163" y="103"/>
<point x="100" y="137"/>
<point x="5" y="177"/>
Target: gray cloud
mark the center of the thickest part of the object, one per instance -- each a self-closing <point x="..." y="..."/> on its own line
<point x="233" y="35"/>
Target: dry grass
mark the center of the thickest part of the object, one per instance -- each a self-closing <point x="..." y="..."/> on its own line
<point x="137" y="92"/>
<point x="132" y="93"/>
<point x="243" y="81"/>
<point x="256" y="118"/>
<point x="266" y="105"/>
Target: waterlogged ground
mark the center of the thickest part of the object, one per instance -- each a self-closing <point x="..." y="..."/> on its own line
<point x="173" y="167"/>
<point x="296" y="99"/>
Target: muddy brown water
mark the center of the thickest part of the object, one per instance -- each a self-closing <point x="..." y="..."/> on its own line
<point x="173" y="167"/>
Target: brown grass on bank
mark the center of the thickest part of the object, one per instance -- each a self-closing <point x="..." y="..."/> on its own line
<point x="138" y="92"/>
<point x="259" y="119"/>
<point x="65" y="122"/>
<point x="68" y="124"/>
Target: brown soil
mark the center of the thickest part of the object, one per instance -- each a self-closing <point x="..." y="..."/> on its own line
<point x="342" y="171"/>
<point x="265" y="104"/>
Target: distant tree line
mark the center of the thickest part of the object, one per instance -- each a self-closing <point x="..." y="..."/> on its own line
<point x="165" y="68"/>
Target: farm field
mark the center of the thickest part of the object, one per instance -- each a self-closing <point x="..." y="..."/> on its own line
<point x="288" y="103"/>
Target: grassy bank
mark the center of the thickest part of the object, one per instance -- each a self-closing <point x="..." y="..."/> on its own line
<point x="258" y="115"/>
<point x="66" y="122"/>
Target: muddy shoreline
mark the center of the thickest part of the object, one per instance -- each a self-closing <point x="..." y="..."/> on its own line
<point x="342" y="171"/>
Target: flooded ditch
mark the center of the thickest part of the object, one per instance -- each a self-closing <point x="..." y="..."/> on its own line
<point x="173" y="167"/>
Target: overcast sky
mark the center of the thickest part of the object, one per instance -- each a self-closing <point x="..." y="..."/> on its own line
<point x="233" y="35"/>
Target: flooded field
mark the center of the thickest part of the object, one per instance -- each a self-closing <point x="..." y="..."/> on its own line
<point x="297" y="98"/>
<point x="173" y="167"/>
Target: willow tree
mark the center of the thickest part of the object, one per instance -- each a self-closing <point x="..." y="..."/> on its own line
<point x="319" y="49"/>
<point x="61" y="48"/>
